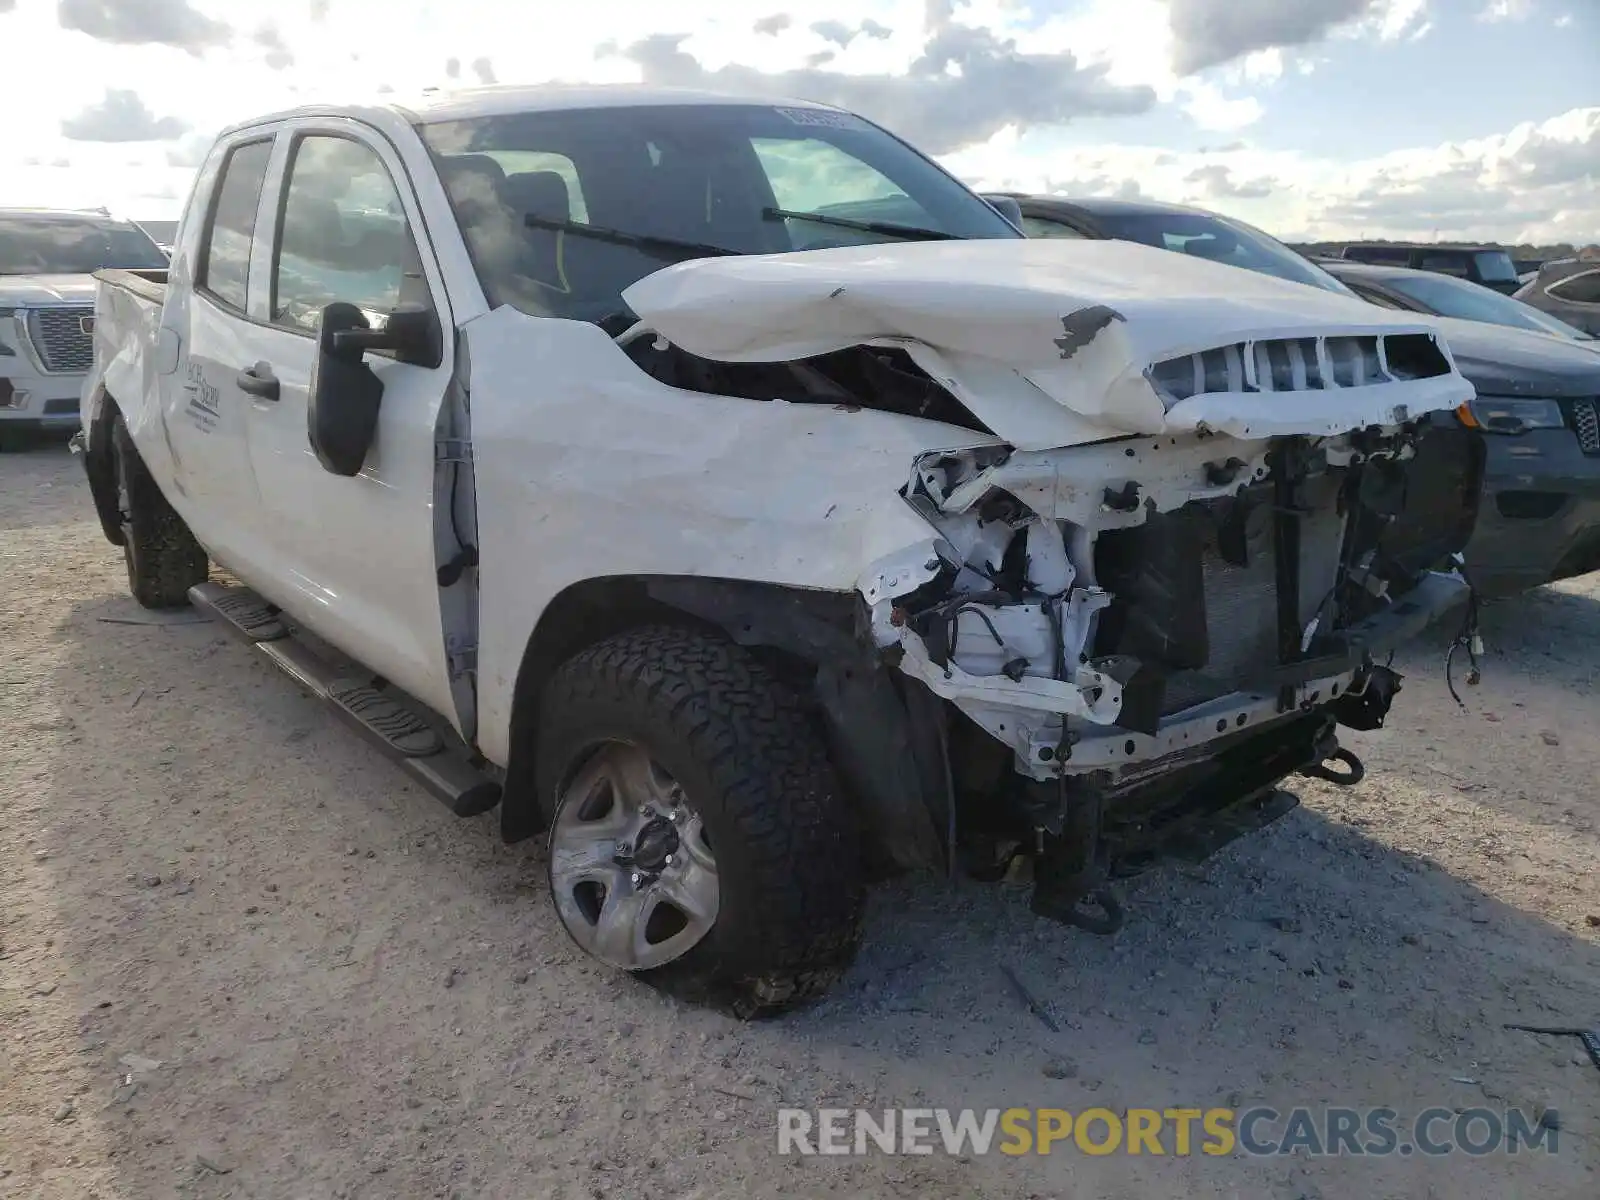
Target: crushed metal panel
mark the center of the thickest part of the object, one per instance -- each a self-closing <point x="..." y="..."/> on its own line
<point x="595" y="469"/>
<point x="1013" y="303"/>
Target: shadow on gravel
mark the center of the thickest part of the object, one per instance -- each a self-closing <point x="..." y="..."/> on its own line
<point x="354" y="994"/>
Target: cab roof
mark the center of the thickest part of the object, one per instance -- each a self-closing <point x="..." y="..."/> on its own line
<point x="439" y="104"/>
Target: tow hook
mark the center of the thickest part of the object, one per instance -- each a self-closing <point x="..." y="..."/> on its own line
<point x="1353" y="774"/>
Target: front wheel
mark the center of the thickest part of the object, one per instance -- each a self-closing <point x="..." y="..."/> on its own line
<point x="698" y="836"/>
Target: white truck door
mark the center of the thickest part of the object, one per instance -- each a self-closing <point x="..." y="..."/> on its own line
<point x="354" y="557"/>
<point x="204" y="410"/>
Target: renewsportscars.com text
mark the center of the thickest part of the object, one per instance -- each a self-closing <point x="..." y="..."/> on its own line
<point x="1254" y="1132"/>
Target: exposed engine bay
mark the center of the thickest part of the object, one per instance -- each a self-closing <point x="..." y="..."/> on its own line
<point x="1161" y="629"/>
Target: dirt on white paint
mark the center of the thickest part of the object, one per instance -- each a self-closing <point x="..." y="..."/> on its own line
<point x="241" y="957"/>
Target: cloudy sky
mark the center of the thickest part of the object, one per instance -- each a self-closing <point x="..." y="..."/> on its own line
<point x="1312" y="118"/>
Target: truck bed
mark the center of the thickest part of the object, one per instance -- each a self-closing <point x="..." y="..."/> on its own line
<point x="127" y="321"/>
<point x="148" y="285"/>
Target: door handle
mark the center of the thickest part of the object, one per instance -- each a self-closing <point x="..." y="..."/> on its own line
<point x="259" y="381"/>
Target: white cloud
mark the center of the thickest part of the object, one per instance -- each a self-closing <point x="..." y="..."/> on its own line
<point x="120" y="117"/>
<point x="989" y="76"/>
<point x="1536" y="182"/>
<point x="1208" y="33"/>
<point x="965" y="85"/>
<point x="174" y="23"/>
<point x="1404" y="19"/>
<point x="1210" y="109"/>
<point x="1506" y="10"/>
<point x="1216" y="182"/>
<point x="278" y="55"/>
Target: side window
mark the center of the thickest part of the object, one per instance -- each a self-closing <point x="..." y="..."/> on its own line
<point x="1038" y="227"/>
<point x="1375" y="297"/>
<point x="225" y="266"/>
<point x="342" y="235"/>
<point x="811" y="175"/>
<point x="1578" y="289"/>
<point x="1445" y="264"/>
<point x="1397" y="255"/>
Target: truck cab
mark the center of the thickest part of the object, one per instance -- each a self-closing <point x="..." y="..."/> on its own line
<point x="724" y="491"/>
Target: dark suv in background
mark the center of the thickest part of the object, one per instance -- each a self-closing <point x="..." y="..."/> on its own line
<point x="1487" y="265"/>
<point x="1538" y="402"/>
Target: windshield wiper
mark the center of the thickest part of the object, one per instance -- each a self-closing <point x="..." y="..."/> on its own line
<point x="887" y="228"/>
<point x="666" y="247"/>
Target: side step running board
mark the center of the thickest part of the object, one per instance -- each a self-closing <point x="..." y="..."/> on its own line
<point x="390" y="724"/>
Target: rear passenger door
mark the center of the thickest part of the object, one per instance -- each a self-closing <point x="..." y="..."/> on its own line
<point x="354" y="556"/>
<point x="204" y="411"/>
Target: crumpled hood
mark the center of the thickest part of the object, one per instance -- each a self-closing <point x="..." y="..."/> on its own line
<point x="29" y="291"/>
<point x="1079" y="321"/>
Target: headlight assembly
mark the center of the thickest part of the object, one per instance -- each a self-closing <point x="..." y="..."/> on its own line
<point x="1496" y="414"/>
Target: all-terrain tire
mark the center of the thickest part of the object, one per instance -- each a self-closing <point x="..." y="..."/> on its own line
<point x="164" y="560"/>
<point x="742" y="748"/>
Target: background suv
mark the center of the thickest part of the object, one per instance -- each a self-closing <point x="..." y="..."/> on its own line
<point x="47" y="307"/>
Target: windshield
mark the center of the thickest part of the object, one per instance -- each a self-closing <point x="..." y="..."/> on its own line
<point x="1204" y="235"/>
<point x="66" y="245"/>
<point x="1472" y="302"/>
<point x="743" y="178"/>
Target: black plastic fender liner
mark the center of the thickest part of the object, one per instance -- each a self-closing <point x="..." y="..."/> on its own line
<point x="99" y="465"/>
<point x="866" y="708"/>
<point x="882" y="741"/>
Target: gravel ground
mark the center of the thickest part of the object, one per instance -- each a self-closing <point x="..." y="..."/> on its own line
<point x="349" y="993"/>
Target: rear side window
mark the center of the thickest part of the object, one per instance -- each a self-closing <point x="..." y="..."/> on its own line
<point x="1374" y="297"/>
<point x="1578" y="289"/>
<point x="1445" y="264"/>
<point x="225" y="269"/>
<point x="1397" y="255"/>
<point x="528" y="179"/>
<point x="1038" y="227"/>
<point x="343" y="236"/>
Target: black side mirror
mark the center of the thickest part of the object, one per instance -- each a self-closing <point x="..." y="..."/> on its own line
<point x="342" y="407"/>
<point x="411" y="333"/>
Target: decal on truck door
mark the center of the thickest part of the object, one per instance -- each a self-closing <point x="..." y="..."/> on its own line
<point x="203" y="399"/>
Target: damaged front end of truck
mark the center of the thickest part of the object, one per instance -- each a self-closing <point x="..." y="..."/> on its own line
<point x="1113" y="652"/>
<point x="1157" y="632"/>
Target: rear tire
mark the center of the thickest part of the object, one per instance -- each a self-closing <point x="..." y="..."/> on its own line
<point x="747" y="763"/>
<point x="164" y="560"/>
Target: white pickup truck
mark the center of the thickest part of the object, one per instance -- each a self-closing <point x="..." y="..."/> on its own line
<point x="724" y="489"/>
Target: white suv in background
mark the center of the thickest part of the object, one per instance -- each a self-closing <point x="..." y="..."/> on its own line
<point x="47" y="307"/>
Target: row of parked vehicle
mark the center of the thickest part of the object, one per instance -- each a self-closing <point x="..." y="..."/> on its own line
<point x="1537" y="377"/>
<point x="723" y="490"/>
<point x="1537" y="398"/>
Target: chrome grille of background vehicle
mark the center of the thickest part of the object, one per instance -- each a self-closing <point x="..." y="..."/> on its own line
<point x="1586" y="420"/>
<point x="60" y="339"/>
<point x="1301" y="364"/>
